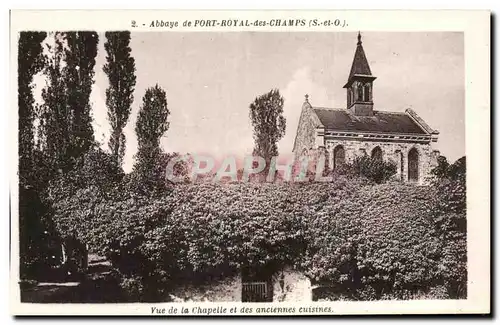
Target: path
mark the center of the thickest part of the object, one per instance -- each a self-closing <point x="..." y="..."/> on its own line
<point x="96" y="287"/>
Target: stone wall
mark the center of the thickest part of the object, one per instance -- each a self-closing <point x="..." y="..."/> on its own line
<point x="225" y="290"/>
<point x="287" y="285"/>
<point x="395" y="151"/>
<point x="306" y="131"/>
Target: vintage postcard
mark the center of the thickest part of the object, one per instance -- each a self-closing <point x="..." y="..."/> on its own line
<point x="228" y="163"/>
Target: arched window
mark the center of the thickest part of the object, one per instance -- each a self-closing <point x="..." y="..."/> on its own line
<point x="377" y="153"/>
<point x="338" y="156"/>
<point x="400" y="162"/>
<point x="413" y="165"/>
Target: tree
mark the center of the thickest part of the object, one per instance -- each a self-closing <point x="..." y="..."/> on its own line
<point x="120" y="69"/>
<point x="449" y="209"/>
<point x="54" y="119"/>
<point x="30" y="61"/>
<point x="441" y="169"/>
<point x="66" y="123"/>
<point x="152" y="123"/>
<point x="79" y="78"/>
<point x="269" y="124"/>
<point x="453" y="171"/>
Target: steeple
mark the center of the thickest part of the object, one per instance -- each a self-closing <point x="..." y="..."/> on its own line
<point x="360" y="83"/>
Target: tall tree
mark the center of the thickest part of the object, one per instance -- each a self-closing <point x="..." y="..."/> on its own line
<point x="66" y="120"/>
<point x="30" y="61"/>
<point x="120" y="69"/>
<point x="152" y="120"/>
<point x="152" y="123"/>
<point x="80" y="54"/>
<point x="55" y="117"/>
<point x="269" y="124"/>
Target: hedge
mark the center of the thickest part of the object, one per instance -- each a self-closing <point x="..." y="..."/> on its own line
<point x="371" y="241"/>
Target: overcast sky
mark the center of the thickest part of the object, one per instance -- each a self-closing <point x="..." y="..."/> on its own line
<point x="211" y="78"/>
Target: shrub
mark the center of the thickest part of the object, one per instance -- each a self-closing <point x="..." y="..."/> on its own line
<point x="449" y="215"/>
<point x="374" y="170"/>
<point x="370" y="240"/>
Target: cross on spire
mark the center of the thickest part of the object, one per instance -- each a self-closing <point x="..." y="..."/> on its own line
<point x="359" y="38"/>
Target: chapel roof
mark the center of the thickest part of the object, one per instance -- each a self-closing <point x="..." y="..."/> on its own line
<point x="380" y="122"/>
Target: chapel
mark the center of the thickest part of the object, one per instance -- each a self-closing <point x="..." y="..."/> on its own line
<point x="361" y="128"/>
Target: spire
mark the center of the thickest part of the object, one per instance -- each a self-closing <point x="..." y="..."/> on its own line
<point x="359" y="85"/>
<point x="360" y="66"/>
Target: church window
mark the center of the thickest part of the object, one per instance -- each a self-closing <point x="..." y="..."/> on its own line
<point x="338" y="156"/>
<point x="413" y="165"/>
<point x="400" y="164"/>
<point x="377" y="153"/>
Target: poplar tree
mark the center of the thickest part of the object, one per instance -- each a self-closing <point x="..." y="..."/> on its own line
<point x="152" y="123"/>
<point x="120" y="69"/>
<point x="80" y="55"/>
<point x="269" y="124"/>
<point x="30" y="61"/>
<point x="66" y="121"/>
<point x="55" y="116"/>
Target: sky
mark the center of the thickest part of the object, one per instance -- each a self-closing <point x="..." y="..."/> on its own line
<point x="211" y="79"/>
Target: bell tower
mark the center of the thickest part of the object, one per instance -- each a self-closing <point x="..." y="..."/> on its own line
<point x="359" y="85"/>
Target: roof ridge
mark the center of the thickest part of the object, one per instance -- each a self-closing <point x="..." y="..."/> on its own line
<point x="389" y="112"/>
<point x="347" y="111"/>
<point x="328" y="108"/>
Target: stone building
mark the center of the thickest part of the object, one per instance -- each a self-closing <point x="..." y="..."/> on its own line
<point x="285" y="285"/>
<point x="359" y="129"/>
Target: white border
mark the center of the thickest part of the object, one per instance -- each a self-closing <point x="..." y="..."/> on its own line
<point x="476" y="28"/>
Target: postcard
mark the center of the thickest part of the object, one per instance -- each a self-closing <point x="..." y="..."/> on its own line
<point x="261" y="162"/>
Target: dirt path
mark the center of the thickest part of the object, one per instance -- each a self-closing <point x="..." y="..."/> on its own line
<point x="96" y="287"/>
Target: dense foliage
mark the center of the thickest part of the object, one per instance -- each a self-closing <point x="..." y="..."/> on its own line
<point x="372" y="241"/>
<point x="450" y="219"/>
<point x="372" y="169"/>
<point x="55" y="135"/>
<point x="30" y="62"/>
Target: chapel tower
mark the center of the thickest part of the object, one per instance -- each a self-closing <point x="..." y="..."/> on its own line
<point x="359" y="85"/>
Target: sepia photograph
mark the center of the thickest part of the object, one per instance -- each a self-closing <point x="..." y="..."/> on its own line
<point x="244" y="167"/>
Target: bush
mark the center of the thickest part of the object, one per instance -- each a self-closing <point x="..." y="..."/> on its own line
<point x="372" y="169"/>
<point x="371" y="240"/>
<point x="444" y="170"/>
